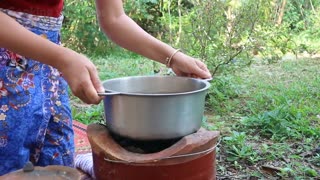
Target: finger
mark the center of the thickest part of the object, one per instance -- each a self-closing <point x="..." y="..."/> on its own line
<point x="81" y="95"/>
<point x="90" y="92"/>
<point x="194" y="76"/>
<point x="201" y="73"/>
<point x="202" y="66"/>
<point x="95" y="79"/>
<point x="78" y="92"/>
<point x="90" y="95"/>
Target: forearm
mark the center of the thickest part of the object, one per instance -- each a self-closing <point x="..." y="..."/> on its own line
<point x="16" y="38"/>
<point x="126" y="33"/>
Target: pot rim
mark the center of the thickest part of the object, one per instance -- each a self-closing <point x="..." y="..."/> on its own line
<point x="112" y="92"/>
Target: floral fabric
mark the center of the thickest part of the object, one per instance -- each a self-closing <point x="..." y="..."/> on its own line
<point x="35" y="116"/>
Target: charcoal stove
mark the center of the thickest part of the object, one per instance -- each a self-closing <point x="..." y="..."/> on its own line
<point x="192" y="157"/>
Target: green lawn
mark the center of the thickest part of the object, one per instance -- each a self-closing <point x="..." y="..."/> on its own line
<point x="268" y="115"/>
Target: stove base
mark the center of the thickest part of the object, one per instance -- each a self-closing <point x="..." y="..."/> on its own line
<point x="196" y="162"/>
<point x="199" y="169"/>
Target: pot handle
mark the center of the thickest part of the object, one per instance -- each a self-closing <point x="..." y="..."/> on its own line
<point x="208" y="80"/>
<point x="108" y="93"/>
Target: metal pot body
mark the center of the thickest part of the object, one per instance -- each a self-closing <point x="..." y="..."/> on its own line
<point x="154" y="107"/>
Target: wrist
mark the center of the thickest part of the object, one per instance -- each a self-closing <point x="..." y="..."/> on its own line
<point x="178" y="59"/>
<point x="61" y="61"/>
<point x="169" y="60"/>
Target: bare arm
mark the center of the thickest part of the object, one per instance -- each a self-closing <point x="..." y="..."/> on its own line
<point x="125" y="32"/>
<point x="79" y="72"/>
<point x="16" y="38"/>
<point x="122" y="30"/>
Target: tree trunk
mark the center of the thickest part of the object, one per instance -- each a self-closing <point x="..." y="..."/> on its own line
<point x="180" y="22"/>
<point x="312" y="7"/>
<point x="170" y="23"/>
<point x="281" y="13"/>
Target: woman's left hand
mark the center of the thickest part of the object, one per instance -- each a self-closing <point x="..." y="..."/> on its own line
<point x="184" y="65"/>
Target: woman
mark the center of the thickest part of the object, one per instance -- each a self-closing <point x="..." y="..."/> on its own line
<point x="35" y="117"/>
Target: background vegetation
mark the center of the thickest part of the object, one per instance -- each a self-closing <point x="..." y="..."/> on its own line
<point x="264" y="55"/>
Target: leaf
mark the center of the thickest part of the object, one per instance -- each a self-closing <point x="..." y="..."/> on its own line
<point x="311" y="172"/>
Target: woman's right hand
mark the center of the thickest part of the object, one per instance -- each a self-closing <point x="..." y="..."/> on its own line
<point x="81" y="75"/>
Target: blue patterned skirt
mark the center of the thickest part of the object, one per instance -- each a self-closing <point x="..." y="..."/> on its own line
<point x="35" y="116"/>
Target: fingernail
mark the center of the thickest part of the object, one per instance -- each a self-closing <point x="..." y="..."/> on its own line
<point x="101" y="89"/>
<point x="208" y="74"/>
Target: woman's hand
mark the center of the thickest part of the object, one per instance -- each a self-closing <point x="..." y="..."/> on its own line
<point x="184" y="65"/>
<point x="82" y="76"/>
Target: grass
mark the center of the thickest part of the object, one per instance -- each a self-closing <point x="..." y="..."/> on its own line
<point x="268" y="116"/>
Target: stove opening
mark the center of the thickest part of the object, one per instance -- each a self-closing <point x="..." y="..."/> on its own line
<point x="143" y="147"/>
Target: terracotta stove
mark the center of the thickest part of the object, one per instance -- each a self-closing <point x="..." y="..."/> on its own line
<point x="192" y="157"/>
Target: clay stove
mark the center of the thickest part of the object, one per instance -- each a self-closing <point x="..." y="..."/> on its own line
<point x="192" y="157"/>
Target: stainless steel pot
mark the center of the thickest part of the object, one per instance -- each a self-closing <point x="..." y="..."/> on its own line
<point x="154" y="107"/>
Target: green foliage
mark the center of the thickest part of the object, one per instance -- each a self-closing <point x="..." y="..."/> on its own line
<point x="122" y="65"/>
<point x="220" y="31"/>
<point x="273" y="42"/>
<point x="88" y="115"/>
<point x="274" y="151"/>
<point x="300" y="14"/>
<point x="310" y="172"/>
<point x="281" y="123"/>
<point x="237" y="149"/>
<point x="274" y="113"/>
<point x="303" y="18"/>
<point x="309" y="38"/>
<point x="316" y="160"/>
<point x="223" y="88"/>
<point x="81" y="30"/>
<point x="146" y="13"/>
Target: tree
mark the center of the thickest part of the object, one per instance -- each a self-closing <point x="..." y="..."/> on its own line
<point x="281" y="12"/>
